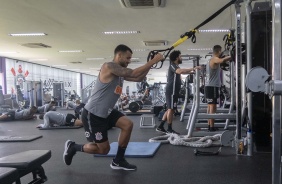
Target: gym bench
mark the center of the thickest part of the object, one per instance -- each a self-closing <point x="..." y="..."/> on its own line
<point x="8" y="175"/>
<point x="23" y="163"/>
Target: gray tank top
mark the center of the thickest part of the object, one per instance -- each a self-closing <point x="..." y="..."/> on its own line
<point x="104" y="97"/>
<point x="212" y="76"/>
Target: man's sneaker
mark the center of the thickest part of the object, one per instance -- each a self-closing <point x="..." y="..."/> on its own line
<point x="161" y="129"/>
<point x="172" y="132"/>
<point x="123" y="164"/>
<point x="69" y="152"/>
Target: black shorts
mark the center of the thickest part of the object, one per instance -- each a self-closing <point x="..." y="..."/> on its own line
<point x="171" y="101"/>
<point x="10" y="115"/>
<point x="70" y="119"/>
<point x="211" y="94"/>
<point x="96" y="128"/>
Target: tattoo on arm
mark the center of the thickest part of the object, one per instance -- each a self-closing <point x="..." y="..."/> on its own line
<point x="119" y="70"/>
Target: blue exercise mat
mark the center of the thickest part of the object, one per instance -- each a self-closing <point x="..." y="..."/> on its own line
<point x="134" y="149"/>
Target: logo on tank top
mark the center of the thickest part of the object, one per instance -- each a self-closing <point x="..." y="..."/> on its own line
<point x="209" y="100"/>
<point x="87" y="134"/>
<point x="118" y="90"/>
<point x="98" y="136"/>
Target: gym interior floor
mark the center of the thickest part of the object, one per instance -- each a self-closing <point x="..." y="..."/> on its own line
<point x="170" y="164"/>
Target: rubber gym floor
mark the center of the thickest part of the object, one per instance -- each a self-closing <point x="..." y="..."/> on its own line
<point x="170" y="165"/>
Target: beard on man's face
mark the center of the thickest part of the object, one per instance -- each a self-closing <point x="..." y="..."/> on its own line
<point x="180" y="61"/>
<point x="123" y="64"/>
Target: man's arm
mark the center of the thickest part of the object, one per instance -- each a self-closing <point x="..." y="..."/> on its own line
<point x="137" y="74"/>
<point x="139" y="79"/>
<point x="218" y="60"/>
<point x="46" y="122"/>
<point x="46" y="108"/>
<point x="186" y="70"/>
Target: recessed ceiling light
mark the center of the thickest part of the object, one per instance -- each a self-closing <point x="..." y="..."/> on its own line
<point x="27" y="34"/>
<point x="94" y="59"/>
<point x="71" y="51"/>
<point x="121" y="32"/>
<point x="8" y="52"/>
<point x="213" y="30"/>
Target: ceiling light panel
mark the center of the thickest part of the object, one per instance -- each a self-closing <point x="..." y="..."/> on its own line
<point x="70" y="51"/>
<point x="27" y="34"/>
<point x="59" y="65"/>
<point x="121" y="32"/>
<point x="89" y="59"/>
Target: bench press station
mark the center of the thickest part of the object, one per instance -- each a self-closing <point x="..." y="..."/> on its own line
<point x="13" y="167"/>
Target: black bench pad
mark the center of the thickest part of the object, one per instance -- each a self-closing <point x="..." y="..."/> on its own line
<point x="8" y="175"/>
<point x="26" y="161"/>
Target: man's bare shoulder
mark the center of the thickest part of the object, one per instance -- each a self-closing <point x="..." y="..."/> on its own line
<point x="214" y="60"/>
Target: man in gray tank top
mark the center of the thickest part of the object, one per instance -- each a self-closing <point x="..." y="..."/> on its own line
<point x="99" y="114"/>
<point x="213" y="82"/>
<point x="25" y="114"/>
<point x="53" y="118"/>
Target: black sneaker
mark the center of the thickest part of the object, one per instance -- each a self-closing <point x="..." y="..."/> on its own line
<point x="69" y="152"/>
<point x="123" y="164"/>
<point x="161" y="129"/>
<point x="172" y="132"/>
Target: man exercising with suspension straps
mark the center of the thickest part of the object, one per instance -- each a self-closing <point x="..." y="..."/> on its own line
<point x="213" y="82"/>
<point x="172" y="89"/>
<point x="99" y="114"/>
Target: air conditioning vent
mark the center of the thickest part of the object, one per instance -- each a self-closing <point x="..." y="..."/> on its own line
<point x="142" y="3"/>
<point x="36" y="45"/>
<point x="76" y="62"/>
<point x="155" y="43"/>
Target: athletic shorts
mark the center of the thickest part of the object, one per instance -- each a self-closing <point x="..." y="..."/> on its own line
<point x="96" y="128"/>
<point x="171" y="101"/>
<point x="11" y="115"/>
<point x="211" y="94"/>
<point x="70" y="119"/>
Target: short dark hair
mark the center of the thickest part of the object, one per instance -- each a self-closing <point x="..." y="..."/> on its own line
<point x="53" y="102"/>
<point x="122" y="48"/>
<point x="216" y="49"/>
<point x="174" y="55"/>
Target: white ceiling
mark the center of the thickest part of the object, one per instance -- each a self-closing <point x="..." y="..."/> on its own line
<point x="79" y="25"/>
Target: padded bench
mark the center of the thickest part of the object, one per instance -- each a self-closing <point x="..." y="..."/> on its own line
<point x="8" y="175"/>
<point x="28" y="162"/>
